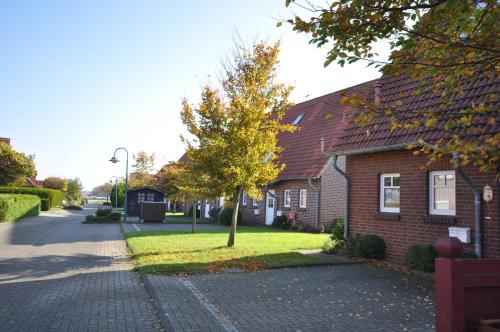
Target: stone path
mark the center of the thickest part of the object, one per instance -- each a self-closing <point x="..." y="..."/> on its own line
<point x="57" y="274"/>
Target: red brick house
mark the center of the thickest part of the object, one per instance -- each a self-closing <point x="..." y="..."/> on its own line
<point x="393" y="194"/>
<point x="308" y="188"/>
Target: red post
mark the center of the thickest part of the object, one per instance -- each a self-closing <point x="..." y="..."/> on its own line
<point x="450" y="297"/>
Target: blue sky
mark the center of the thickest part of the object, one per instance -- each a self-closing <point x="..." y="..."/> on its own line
<point x="80" y="78"/>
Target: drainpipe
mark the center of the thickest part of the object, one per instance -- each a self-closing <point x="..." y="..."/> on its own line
<point x="309" y="183"/>
<point x="477" y="207"/>
<point x="346" y="198"/>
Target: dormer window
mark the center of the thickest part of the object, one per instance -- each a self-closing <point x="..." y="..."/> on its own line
<point x="298" y="118"/>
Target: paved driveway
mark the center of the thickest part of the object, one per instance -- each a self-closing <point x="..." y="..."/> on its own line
<point x="57" y="274"/>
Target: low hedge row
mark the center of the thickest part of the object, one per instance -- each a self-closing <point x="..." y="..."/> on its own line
<point x="17" y="206"/>
<point x="50" y="198"/>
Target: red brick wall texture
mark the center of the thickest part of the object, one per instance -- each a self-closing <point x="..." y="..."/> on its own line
<point x="413" y="226"/>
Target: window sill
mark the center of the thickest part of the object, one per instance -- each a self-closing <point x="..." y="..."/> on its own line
<point x="440" y="219"/>
<point x="387" y="216"/>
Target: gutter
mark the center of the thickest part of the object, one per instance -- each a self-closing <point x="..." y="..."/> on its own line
<point x="346" y="198"/>
<point x="398" y="146"/>
<point x="318" y="193"/>
<point x="477" y="207"/>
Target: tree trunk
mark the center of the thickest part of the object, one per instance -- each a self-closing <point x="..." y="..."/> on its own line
<point x="175" y="206"/>
<point x="193" y="226"/>
<point x="234" y="219"/>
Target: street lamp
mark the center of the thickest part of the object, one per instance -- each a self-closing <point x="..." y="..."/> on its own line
<point x="114" y="160"/>
<point x="116" y="189"/>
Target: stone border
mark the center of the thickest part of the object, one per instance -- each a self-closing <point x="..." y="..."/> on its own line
<point x="155" y="301"/>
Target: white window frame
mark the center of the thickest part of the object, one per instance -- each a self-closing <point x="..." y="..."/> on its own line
<point x="432" y="210"/>
<point x="302" y="195"/>
<point x="381" y="192"/>
<point x="286" y="194"/>
<point x="148" y="195"/>
<point x="139" y="195"/>
<point x="244" y="199"/>
<point x="255" y="202"/>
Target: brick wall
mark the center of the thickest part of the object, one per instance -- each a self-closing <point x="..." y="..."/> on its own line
<point x="248" y="211"/>
<point x="413" y="226"/>
<point x="332" y="193"/>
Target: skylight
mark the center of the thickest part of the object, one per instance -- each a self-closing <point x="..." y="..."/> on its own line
<point x="267" y="157"/>
<point x="298" y="118"/>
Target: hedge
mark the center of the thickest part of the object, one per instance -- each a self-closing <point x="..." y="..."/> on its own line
<point x="17" y="206"/>
<point x="53" y="198"/>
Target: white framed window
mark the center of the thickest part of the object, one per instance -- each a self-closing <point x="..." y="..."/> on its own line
<point x="442" y="193"/>
<point x="302" y="198"/>
<point x="141" y="197"/>
<point x="255" y="202"/>
<point x="244" y="199"/>
<point x="286" y="198"/>
<point x="389" y="192"/>
<point x="150" y="197"/>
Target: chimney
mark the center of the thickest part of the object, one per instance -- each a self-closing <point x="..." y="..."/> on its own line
<point x="322" y="145"/>
<point x="5" y="140"/>
<point x="377" y="91"/>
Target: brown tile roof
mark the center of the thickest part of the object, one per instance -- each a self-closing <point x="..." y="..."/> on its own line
<point x="323" y="118"/>
<point x="355" y="138"/>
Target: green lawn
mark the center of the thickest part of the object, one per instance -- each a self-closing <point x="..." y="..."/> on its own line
<point x="182" y="219"/>
<point x="162" y="252"/>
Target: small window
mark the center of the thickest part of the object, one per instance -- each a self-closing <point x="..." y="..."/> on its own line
<point x="141" y="197"/>
<point x="298" y="118"/>
<point x="270" y="201"/>
<point x="244" y="199"/>
<point x="254" y="202"/>
<point x="303" y="198"/>
<point x="442" y="193"/>
<point x="150" y="197"/>
<point x="286" y="198"/>
<point x="389" y="192"/>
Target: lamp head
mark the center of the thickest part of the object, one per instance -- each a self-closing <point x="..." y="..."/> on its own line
<point x="114" y="160"/>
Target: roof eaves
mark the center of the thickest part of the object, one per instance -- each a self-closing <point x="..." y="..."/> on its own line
<point x="374" y="149"/>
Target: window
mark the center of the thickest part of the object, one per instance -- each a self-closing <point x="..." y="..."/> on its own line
<point x="389" y="192"/>
<point x="442" y="193"/>
<point x="141" y="197"/>
<point x="303" y="198"/>
<point x="151" y="197"/>
<point x="286" y="198"/>
<point x="270" y="201"/>
<point x="244" y="199"/>
<point x="298" y="118"/>
<point x="267" y="157"/>
<point x="254" y="202"/>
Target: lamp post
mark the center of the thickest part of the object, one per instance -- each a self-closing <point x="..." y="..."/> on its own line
<point x="116" y="189"/>
<point x="114" y="160"/>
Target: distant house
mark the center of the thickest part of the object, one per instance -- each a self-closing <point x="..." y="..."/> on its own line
<point x="394" y="195"/>
<point x="142" y="194"/>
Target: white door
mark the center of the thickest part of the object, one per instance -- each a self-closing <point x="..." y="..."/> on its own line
<point x="207" y="210"/>
<point x="270" y="203"/>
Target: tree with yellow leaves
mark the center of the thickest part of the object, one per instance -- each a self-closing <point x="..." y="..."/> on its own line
<point x="235" y="128"/>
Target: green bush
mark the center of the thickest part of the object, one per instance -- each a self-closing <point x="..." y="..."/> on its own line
<point x="190" y="212"/>
<point x="281" y="222"/>
<point x="369" y="246"/>
<point x="214" y="213"/>
<point x="103" y="212"/>
<point x="17" y="206"/>
<point x="331" y="246"/>
<point x="45" y="204"/>
<point x="468" y="255"/>
<point x="338" y="229"/>
<point x="106" y="203"/>
<point x="112" y="217"/>
<point x="420" y="257"/>
<point x="72" y="207"/>
<point x="226" y="215"/>
<point x="115" y="216"/>
<point x="54" y="196"/>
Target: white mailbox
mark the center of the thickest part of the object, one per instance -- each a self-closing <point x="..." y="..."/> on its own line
<point x="256" y="211"/>
<point x="279" y="213"/>
<point x="462" y="233"/>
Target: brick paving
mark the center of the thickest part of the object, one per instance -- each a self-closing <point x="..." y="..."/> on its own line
<point x="57" y="274"/>
<point x="327" y="298"/>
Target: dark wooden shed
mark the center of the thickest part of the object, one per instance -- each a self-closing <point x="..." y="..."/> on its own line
<point x="142" y="194"/>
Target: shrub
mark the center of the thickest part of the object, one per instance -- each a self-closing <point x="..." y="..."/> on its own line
<point x="106" y="203"/>
<point x="226" y="215"/>
<point x="331" y="246"/>
<point x="190" y="212"/>
<point x="45" y="204"/>
<point x="214" y="213"/>
<point x="420" y="257"/>
<point x="281" y="222"/>
<point x="115" y="216"/>
<point x="17" y="206"/>
<point x="338" y="229"/>
<point x="468" y="255"/>
<point x="55" y="197"/>
<point x="306" y="228"/>
<point x="369" y="246"/>
<point x="72" y="207"/>
<point x="103" y="212"/>
<point x="112" y="217"/>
